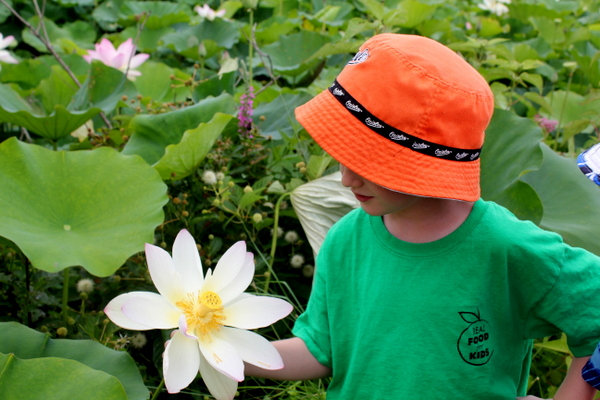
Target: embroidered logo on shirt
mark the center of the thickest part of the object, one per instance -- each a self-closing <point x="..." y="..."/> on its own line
<point x="474" y="345"/>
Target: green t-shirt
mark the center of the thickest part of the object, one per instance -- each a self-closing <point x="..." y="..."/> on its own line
<point x="450" y="319"/>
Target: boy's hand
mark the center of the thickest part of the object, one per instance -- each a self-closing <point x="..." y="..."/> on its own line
<point x="530" y="398"/>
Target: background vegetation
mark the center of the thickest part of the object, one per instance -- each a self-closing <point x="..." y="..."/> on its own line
<point x="93" y="163"/>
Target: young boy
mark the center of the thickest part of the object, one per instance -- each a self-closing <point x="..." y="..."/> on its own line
<point x="427" y="291"/>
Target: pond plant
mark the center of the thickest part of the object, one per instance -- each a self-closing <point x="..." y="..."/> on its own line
<point x="124" y="123"/>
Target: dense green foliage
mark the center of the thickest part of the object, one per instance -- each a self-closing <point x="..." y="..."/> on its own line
<point x="175" y="148"/>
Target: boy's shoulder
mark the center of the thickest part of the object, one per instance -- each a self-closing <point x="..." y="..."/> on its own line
<point x="500" y="230"/>
<point x="356" y="217"/>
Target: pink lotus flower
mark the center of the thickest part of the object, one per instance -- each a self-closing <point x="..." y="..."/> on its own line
<point x="122" y="58"/>
<point x="211" y="314"/>
<point x="206" y="12"/>
<point x="549" y="125"/>
<point x="4" y="54"/>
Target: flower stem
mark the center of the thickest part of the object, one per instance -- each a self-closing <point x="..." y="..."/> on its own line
<point x="251" y="47"/>
<point x="65" y="296"/>
<point x="274" y="240"/>
<point x="158" y="389"/>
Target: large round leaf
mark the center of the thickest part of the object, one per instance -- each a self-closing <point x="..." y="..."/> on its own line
<point x="153" y="133"/>
<point x="511" y="149"/>
<point x="571" y="201"/>
<point x="290" y="53"/>
<point x="26" y="343"/>
<point x="63" y="111"/>
<point x="276" y="117"/>
<point x="55" y="379"/>
<point x="183" y="158"/>
<point x="60" y="122"/>
<point x="90" y="208"/>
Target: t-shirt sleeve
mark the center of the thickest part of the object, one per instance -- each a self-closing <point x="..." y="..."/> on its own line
<point x="312" y="326"/>
<point x="572" y="304"/>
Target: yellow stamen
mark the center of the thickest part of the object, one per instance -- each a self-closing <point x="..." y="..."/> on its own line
<point x="203" y="313"/>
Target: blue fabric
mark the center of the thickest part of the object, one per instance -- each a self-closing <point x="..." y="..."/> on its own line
<point x="591" y="371"/>
<point x="585" y="166"/>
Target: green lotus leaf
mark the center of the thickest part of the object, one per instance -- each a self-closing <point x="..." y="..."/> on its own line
<point x="103" y="88"/>
<point x="55" y="378"/>
<point x="290" y="53"/>
<point x="410" y="13"/>
<point x="5" y="12"/>
<point x="523" y="201"/>
<point x="224" y="33"/>
<point x="159" y="14"/>
<point x="102" y="369"/>
<point x="183" y="158"/>
<point x="80" y="3"/>
<point x="55" y="120"/>
<point x="511" y="149"/>
<point x="59" y="123"/>
<point x="78" y="32"/>
<point x="571" y="201"/>
<point x="90" y="208"/>
<point x="28" y="73"/>
<point x="276" y="117"/>
<point x="153" y="133"/>
<point x="570" y="106"/>
<point x="155" y="82"/>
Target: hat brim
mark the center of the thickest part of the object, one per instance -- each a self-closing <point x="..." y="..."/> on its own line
<point x="368" y="154"/>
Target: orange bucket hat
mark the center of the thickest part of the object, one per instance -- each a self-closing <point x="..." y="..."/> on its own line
<point x="408" y="114"/>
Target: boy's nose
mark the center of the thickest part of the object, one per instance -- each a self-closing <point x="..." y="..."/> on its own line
<point x="350" y="178"/>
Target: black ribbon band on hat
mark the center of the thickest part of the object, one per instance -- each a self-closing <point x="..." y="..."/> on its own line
<point x="398" y="136"/>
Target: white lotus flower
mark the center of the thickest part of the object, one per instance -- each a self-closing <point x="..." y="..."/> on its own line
<point x="122" y="58"/>
<point x="206" y="12"/>
<point x="211" y="313"/>
<point x="4" y="54"/>
<point x="497" y="7"/>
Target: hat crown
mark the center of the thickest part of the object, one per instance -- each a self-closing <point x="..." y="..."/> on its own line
<point x="420" y="87"/>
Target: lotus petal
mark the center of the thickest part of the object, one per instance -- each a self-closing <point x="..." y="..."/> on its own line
<point x="114" y="312"/>
<point x="187" y="262"/>
<point x="220" y="386"/>
<point x="151" y="309"/>
<point x="223" y="357"/>
<point x="252" y="312"/>
<point x="181" y="362"/>
<point x="253" y="348"/>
